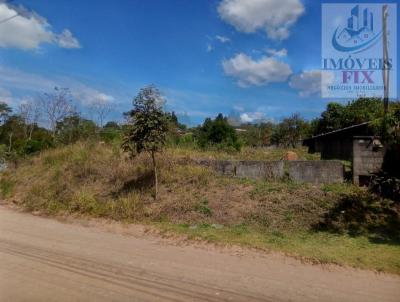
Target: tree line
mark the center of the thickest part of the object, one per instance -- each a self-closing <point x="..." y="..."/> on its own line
<point x="290" y="131"/>
<point x="49" y="120"/>
<point x="52" y="119"/>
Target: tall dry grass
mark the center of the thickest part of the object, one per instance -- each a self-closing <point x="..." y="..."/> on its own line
<point x="100" y="180"/>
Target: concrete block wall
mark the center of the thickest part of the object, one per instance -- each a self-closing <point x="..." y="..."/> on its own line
<point x="316" y="172"/>
<point x="366" y="158"/>
<point x="259" y="169"/>
<point x="223" y="167"/>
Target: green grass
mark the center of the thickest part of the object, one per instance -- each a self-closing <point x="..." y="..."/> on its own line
<point x="203" y="207"/>
<point x="6" y="187"/>
<point x="320" y="247"/>
<point x="262" y="188"/>
<point x="246" y="153"/>
<point x="340" y="188"/>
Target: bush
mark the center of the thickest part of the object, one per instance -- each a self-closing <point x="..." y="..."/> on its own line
<point x="33" y="146"/>
<point x="6" y="187"/>
<point x="109" y="135"/>
<point x="74" y="128"/>
<point x="386" y="186"/>
<point x="363" y="213"/>
<point x="186" y="140"/>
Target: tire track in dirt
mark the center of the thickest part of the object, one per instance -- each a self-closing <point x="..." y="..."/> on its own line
<point x="42" y="259"/>
<point x="137" y="280"/>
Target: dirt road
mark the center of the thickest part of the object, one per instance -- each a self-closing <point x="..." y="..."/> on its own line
<point x="46" y="260"/>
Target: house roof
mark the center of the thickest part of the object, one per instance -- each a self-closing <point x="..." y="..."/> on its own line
<point x="338" y="131"/>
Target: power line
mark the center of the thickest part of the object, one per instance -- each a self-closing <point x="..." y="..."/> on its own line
<point x="8" y="19"/>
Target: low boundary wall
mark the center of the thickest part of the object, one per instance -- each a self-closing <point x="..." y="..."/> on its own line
<point x="316" y="172"/>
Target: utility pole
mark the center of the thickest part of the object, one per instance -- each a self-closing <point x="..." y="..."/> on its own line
<point x="385" y="71"/>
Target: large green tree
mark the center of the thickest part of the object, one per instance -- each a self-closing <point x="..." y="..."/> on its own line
<point x="290" y="131"/>
<point x="217" y="132"/>
<point x="337" y="116"/>
<point x="256" y="135"/>
<point x="148" y="126"/>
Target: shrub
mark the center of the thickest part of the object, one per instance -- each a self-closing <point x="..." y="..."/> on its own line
<point x="386" y="186"/>
<point x="33" y="146"/>
<point x="203" y="207"/>
<point x="363" y="213"/>
<point x="6" y="187"/>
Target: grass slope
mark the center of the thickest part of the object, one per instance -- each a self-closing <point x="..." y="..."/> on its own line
<point x="97" y="180"/>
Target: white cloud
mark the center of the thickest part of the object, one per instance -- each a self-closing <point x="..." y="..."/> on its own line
<point x="6" y="96"/>
<point x="311" y="82"/>
<point x="222" y="39"/>
<point x="14" y="78"/>
<point x="273" y="16"/>
<point x="34" y="83"/>
<point x="252" y="117"/>
<point x="27" y="30"/>
<point x="249" y="72"/>
<point x="238" y="108"/>
<point x="67" y="40"/>
<point x="88" y="95"/>
<point x="277" y="53"/>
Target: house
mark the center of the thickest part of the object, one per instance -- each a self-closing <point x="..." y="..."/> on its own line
<point x="356" y="144"/>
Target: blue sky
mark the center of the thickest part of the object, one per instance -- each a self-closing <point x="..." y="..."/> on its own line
<point x="205" y="56"/>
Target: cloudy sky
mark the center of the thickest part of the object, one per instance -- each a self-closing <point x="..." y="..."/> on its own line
<point x="255" y="59"/>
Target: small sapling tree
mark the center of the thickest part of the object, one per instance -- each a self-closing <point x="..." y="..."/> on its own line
<point x="147" y="127"/>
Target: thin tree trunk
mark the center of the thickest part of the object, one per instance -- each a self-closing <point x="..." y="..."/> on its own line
<point x="155" y="174"/>
<point x="10" y="142"/>
<point x="26" y="130"/>
<point x="31" y="131"/>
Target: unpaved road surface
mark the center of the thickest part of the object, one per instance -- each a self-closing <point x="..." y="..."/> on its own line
<point x="46" y="260"/>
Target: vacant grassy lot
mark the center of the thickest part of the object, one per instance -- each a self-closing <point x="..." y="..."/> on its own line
<point x="318" y="223"/>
